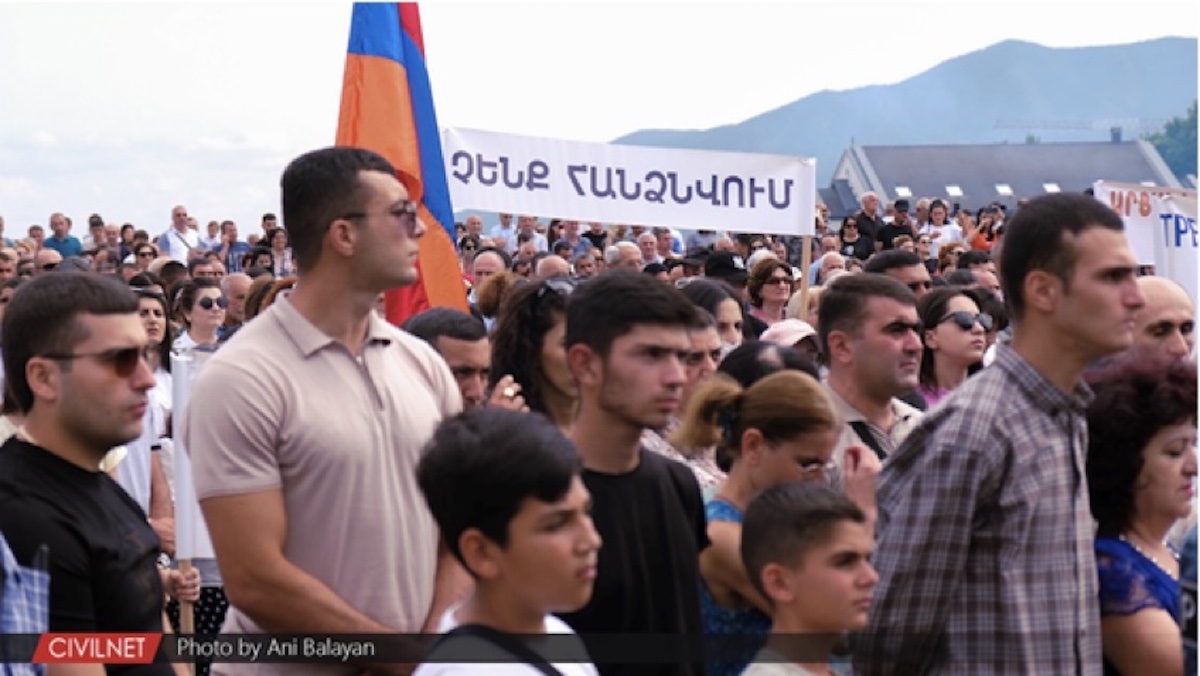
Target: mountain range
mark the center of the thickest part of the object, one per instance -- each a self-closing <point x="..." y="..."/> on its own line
<point x="1010" y="92"/>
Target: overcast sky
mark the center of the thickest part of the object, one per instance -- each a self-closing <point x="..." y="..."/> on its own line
<point x="127" y="109"/>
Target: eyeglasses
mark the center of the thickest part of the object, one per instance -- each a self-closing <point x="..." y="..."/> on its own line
<point x="405" y="211"/>
<point x="954" y="252"/>
<point x="145" y="254"/>
<point x="966" y="321"/>
<point x="208" y="302"/>
<point x="782" y="281"/>
<point x="124" y="360"/>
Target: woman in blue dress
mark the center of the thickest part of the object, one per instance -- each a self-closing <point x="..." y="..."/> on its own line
<point x="1141" y="469"/>
<point x="780" y="428"/>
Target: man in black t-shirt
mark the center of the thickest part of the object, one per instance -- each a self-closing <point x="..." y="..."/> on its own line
<point x="74" y="354"/>
<point x="900" y="225"/>
<point x="626" y="342"/>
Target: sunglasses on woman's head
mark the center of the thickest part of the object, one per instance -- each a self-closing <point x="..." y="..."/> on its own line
<point x="562" y="286"/>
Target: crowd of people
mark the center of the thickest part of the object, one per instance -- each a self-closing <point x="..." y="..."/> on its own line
<point x="963" y="446"/>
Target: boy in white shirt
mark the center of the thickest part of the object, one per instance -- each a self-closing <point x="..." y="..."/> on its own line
<point x="505" y="490"/>
<point x="806" y="547"/>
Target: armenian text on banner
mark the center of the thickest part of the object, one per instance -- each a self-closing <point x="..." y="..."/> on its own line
<point x="387" y="107"/>
<point x="1160" y="224"/>
<point x="694" y="189"/>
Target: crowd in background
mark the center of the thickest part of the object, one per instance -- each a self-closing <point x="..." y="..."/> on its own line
<point x="663" y="432"/>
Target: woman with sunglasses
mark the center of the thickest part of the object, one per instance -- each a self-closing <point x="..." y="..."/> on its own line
<point x="144" y="255"/>
<point x="852" y="243"/>
<point x="467" y="246"/>
<point x="770" y="288"/>
<point x="781" y="428"/>
<point x="955" y="338"/>
<point x="528" y="344"/>
<point x="201" y="305"/>
<point x="947" y="260"/>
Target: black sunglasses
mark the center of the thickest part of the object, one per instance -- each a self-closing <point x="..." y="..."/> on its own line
<point x="966" y="321"/>
<point x="208" y="302"/>
<point x="145" y="254"/>
<point x="124" y="361"/>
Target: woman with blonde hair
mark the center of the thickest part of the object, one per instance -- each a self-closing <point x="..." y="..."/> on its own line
<point x="782" y="428"/>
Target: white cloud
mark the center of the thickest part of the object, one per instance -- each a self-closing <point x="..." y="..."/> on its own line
<point x="156" y="104"/>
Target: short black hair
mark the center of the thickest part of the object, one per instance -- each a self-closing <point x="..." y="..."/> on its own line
<point x="320" y="187"/>
<point x="785" y="521"/>
<point x="843" y="304"/>
<point x="891" y="259"/>
<point x="195" y="263"/>
<point x="444" y="321"/>
<point x="709" y="293"/>
<point x="755" y="359"/>
<point x="960" y="277"/>
<point x="1040" y="237"/>
<point x="43" y="318"/>
<point x="482" y="465"/>
<point x="613" y="303"/>
<point x="973" y="257"/>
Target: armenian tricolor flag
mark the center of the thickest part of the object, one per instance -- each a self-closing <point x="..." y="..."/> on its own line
<point x="387" y="107"/>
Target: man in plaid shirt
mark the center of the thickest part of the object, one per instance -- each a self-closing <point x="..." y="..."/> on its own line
<point x="985" y="532"/>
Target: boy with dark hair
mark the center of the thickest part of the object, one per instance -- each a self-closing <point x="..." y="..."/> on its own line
<point x="806" y="548"/>
<point x="627" y="340"/>
<point x="505" y="490"/>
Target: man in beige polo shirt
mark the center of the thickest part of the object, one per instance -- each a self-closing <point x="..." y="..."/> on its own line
<point x="306" y="427"/>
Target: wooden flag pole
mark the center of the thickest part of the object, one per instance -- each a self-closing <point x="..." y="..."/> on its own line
<point x="805" y="263"/>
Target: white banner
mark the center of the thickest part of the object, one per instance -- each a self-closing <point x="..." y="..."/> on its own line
<point x="191" y="533"/>
<point x="1160" y="224"/>
<point x="690" y="189"/>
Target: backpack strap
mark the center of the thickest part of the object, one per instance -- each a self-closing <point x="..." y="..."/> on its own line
<point x="864" y="433"/>
<point x="507" y="642"/>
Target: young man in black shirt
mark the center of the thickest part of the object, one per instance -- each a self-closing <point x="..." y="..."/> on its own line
<point x="626" y="342"/>
<point x="74" y="357"/>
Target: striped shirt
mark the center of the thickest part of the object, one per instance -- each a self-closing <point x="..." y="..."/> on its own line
<point x="985" y="536"/>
